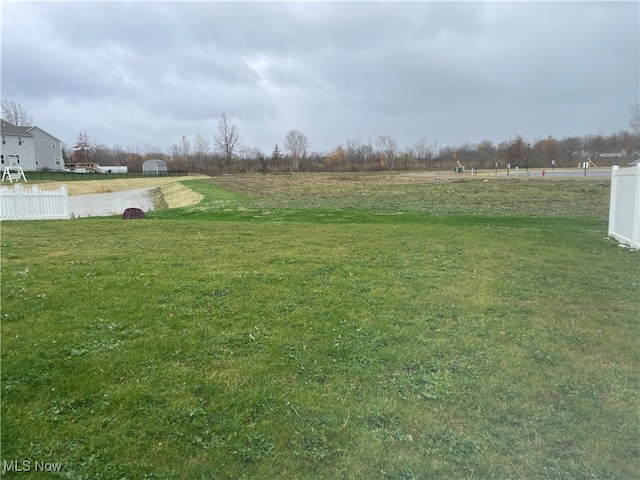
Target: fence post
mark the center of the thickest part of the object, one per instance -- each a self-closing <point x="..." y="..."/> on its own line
<point x="65" y="202"/>
<point x="612" y="200"/>
<point x="635" y="233"/>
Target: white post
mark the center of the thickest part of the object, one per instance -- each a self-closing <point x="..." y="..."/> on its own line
<point x="635" y="235"/>
<point x="65" y="202"/>
<point x="612" y="199"/>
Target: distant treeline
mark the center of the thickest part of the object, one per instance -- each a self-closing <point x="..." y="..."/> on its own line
<point x="383" y="153"/>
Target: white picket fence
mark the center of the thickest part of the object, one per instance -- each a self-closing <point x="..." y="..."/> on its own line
<point x="624" y="206"/>
<point x="20" y="203"/>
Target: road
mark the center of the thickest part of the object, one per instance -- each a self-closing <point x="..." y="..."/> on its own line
<point x="566" y="173"/>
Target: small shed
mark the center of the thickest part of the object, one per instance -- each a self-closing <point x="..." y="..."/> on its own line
<point x="154" y="167"/>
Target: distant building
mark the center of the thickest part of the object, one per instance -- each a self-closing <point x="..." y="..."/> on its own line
<point x="29" y="147"/>
<point x="154" y="167"/>
<point x="615" y="153"/>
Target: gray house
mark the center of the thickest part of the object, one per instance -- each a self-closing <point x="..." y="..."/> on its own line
<point x="154" y="167"/>
<point x="29" y="147"/>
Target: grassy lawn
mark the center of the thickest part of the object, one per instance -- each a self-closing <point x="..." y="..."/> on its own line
<point x="327" y="326"/>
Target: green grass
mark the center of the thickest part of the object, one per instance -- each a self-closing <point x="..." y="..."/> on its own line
<point x="252" y="336"/>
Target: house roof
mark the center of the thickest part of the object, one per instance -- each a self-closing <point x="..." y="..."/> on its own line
<point x="155" y="161"/>
<point x="8" y="128"/>
<point x="47" y="133"/>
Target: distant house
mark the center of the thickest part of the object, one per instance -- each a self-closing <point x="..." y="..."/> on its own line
<point x="615" y="153"/>
<point x="154" y="167"/>
<point x="29" y="147"/>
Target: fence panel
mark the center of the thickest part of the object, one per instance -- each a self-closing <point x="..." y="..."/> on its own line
<point x="624" y="206"/>
<point x="18" y="203"/>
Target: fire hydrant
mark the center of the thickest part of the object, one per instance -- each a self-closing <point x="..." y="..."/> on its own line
<point x="543" y="172"/>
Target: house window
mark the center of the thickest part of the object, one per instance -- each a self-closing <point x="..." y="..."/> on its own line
<point x="2" y="159"/>
<point x="57" y="160"/>
<point x="19" y="140"/>
<point x="53" y="144"/>
<point x="37" y="163"/>
<point x="4" y="140"/>
<point x="17" y="159"/>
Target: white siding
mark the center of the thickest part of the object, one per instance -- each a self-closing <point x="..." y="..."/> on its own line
<point x="24" y="151"/>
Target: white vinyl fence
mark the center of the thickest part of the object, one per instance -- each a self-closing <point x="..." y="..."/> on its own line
<point x="624" y="206"/>
<point x="20" y="203"/>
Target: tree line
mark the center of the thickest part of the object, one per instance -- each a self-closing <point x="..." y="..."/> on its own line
<point x="224" y="151"/>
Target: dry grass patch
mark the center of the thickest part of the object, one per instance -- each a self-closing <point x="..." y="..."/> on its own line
<point x="423" y="192"/>
<point x="114" y="185"/>
<point x="177" y="195"/>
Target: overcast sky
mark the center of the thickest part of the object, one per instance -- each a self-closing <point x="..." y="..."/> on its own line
<point x="147" y="73"/>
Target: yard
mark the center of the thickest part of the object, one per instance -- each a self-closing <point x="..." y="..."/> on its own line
<point x="356" y="326"/>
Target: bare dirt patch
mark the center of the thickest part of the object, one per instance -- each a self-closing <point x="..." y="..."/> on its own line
<point x="288" y="183"/>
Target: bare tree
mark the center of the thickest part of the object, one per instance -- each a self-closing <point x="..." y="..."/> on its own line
<point x="367" y="153"/>
<point x="634" y="119"/>
<point x="119" y="154"/>
<point x="256" y="158"/>
<point x="297" y="144"/>
<point x="484" y="154"/>
<point x="407" y="159"/>
<point x="435" y="157"/>
<point x="152" y="151"/>
<point x="549" y="148"/>
<point x="352" y="148"/>
<point x="422" y="152"/>
<point x="516" y="151"/>
<point x="387" y="147"/>
<point x="13" y="112"/>
<point x="446" y="153"/>
<point x="336" y="159"/>
<point x="226" y="138"/>
<point x="202" y="147"/>
<point x="174" y="151"/>
<point x="99" y="153"/>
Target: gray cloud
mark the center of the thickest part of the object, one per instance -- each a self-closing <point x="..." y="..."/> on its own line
<point x="135" y="73"/>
